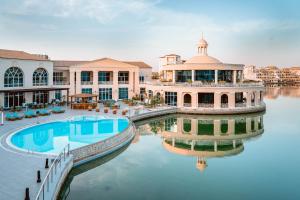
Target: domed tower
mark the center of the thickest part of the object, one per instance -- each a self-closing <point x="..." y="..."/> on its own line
<point x="201" y="164"/>
<point x="202" y="47"/>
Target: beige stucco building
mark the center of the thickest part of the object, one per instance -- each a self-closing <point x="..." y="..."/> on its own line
<point x="35" y="79"/>
<point x="206" y="85"/>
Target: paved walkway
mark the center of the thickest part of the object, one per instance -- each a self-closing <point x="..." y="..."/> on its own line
<point x="18" y="169"/>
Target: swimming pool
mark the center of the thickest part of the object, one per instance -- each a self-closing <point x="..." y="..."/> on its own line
<point x="78" y="131"/>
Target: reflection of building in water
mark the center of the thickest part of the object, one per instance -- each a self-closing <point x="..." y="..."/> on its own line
<point x="275" y="92"/>
<point x="206" y="137"/>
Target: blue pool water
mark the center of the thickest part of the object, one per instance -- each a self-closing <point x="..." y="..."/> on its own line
<point x="78" y="131"/>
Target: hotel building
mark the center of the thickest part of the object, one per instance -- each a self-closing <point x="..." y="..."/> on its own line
<point x="31" y="78"/>
<point x="206" y="85"/>
<point x="202" y="84"/>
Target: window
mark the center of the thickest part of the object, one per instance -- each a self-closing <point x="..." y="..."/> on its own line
<point x="58" y="78"/>
<point x="40" y="97"/>
<point x="183" y="76"/>
<point x="104" y="77"/>
<point x="225" y="75"/>
<point x="105" y="93"/>
<point x="142" y="79"/>
<point x="171" y="98"/>
<point x="13" y="77"/>
<point x="123" y="77"/>
<point x="58" y="94"/>
<point x="206" y="98"/>
<point x="86" y="77"/>
<point x="205" y="75"/>
<point x="40" y="77"/>
<point x="86" y="91"/>
<point x="123" y="93"/>
<point x="13" y="99"/>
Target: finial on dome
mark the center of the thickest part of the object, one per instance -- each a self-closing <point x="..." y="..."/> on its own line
<point x="202" y="46"/>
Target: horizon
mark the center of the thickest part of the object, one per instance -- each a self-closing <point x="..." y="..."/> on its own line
<point x="252" y="32"/>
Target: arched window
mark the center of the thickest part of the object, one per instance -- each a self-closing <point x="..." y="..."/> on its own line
<point x="40" y="77"/>
<point x="13" y="77"/>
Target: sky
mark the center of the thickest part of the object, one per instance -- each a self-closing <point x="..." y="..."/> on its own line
<point x="250" y="32"/>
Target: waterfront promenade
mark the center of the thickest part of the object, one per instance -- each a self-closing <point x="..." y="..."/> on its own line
<point x="18" y="170"/>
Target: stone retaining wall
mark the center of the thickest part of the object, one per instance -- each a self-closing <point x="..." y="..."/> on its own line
<point x="92" y="151"/>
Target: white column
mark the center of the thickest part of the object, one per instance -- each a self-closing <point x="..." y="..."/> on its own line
<point x="115" y="89"/>
<point x="217" y="127"/>
<point x="78" y="82"/>
<point x="248" y="98"/>
<point x="173" y="76"/>
<point x="193" y="76"/>
<point x="72" y="82"/>
<point x="215" y="146"/>
<point x="216" y="76"/>
<point x="234" y="76"/>
<point x="234" y="144"/>
<point x="95" y="82"/>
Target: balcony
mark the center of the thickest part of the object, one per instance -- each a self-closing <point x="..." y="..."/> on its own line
<point x="61" y="83"/>
<point x="240" y="105"/>
<point x="123" y="82"/>
<point x="105" y="82"/>
<point x="197" y="84"/>
<point x="205" y="105"/>
<point x="86" y="82"/>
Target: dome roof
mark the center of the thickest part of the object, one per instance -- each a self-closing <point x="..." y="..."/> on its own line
<point x="203" y="59"/>
<point x="201" y="165"/>
<point x="202" y="43"/>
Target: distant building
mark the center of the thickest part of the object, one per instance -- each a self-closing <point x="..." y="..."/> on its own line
<point x="273" y="75"/>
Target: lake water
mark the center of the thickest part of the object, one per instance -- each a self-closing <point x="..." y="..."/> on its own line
<point x="203" y="157"/>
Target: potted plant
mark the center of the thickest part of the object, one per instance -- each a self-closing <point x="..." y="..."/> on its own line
<point x="124" y="112"/>
<point x="90" y="108"/>
<point x="105" y="110"/>
<point x="114" y="112"/>
<point x="97" y="109"/>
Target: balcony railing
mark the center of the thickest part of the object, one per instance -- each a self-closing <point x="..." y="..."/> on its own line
<point x="123" y="82"/>
<point x="239" y="105"/>
<point x="105" y="82"/>
<point x="61" y="83"/>
<point x="86" y="82"/>
<point x="224" y="105"/>
<point x="205" y="105"/>
<point x="206" y="84"/>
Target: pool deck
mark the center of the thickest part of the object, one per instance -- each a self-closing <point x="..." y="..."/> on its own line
<point x="18" y="169"/>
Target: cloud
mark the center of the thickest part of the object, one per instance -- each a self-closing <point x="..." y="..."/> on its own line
<point x="103" y="11"/>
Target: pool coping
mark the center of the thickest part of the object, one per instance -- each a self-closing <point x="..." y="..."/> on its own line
<point x="6" y="138"/>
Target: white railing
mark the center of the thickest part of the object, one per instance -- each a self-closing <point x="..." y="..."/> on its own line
<point x="195" y="84"/>
<point x="53" y="170"/>
<point x="224" y="105"/>
<point x="187" y="105"/>
<point x="86" y="82"/>
<point x="205" y="105"/>
<point x="123" y="82"/>
<point x="61" y="83"/>
<point x="105" y="82"/>
<point x="240" y="105"/>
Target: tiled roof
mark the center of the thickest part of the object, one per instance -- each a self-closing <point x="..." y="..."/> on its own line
<point x="67" y="63"/>
<point x="138" y="63"/>
<point x="12" y="54"/>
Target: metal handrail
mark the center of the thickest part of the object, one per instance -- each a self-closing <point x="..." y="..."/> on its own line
<point x="57" y="161"/>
